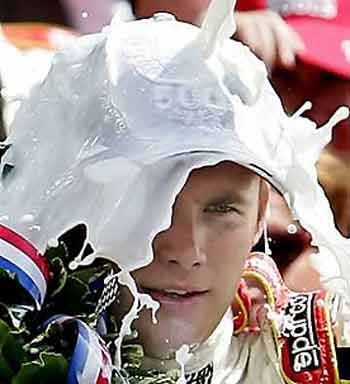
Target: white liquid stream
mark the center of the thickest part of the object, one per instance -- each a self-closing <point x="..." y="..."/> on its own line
<point x="182" y="356"/>
<point x="140" y="300"/>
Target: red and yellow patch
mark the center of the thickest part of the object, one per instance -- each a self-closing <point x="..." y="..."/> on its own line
<point x="36" y="35"/>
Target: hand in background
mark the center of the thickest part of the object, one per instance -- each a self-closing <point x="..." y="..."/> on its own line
<point x="269" y="37"/>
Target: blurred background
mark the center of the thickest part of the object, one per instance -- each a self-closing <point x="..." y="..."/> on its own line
<point x="305" y="45"/>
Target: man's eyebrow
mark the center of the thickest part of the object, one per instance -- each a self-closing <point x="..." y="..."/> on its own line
<point x="227" y="197"/>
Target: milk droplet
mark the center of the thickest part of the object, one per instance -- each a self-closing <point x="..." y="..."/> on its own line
<point x="53" y="243"/>
<point x="88" y="260"/>
<point x="35" y="228"/>
<point x="340" y="114"/>
<point x="73" y="265"/>
<point x="292" y="229"/>
<point x="267" y="248"/>
<point x="27" y="218"/>
<point x="84" y="14"/>
<point x="305" y="107"/>
<point x="182" y="356"/>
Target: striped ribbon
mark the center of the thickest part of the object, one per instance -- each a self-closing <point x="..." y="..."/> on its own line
<point x="91" y="362"/>
<point x="19" y="256"/>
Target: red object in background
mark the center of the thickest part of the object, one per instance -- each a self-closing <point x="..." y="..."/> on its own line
<point x="326" y="40"/>
<point x="36" y="35"/>
<point x="250" y="5"/>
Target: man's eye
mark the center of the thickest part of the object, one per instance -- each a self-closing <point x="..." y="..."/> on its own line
<point x="221" y="208"/>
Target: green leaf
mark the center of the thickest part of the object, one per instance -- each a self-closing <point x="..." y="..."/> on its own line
<point x="51" y="368"/>
<point x="10" y="283"/>
<point x="91" y="273"/>
<point x="6" y="373"/>
<point x="63" y="336"/>
<point x="74" y="240"/>
<point x="70" y="300"/>
<point x="11" y="352"/>
<point x="59" y="252"/>
<point x="59" y="277"/>
<point x="132" y="355"/>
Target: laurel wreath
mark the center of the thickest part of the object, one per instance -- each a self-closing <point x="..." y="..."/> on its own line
<point x="31" y="353"/>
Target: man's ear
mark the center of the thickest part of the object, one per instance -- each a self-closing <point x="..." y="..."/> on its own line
<point x="264" y="197"/>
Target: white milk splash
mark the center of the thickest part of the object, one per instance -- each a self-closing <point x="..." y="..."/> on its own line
<point x="140" y="300"/>
<point x="182" y="356"/>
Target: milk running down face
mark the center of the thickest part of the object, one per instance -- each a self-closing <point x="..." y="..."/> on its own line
<point x="217" y="217"/>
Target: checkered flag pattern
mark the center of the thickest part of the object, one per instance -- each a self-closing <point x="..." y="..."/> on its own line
<point x="204" y="376"/>
<point x="108" y="295"/>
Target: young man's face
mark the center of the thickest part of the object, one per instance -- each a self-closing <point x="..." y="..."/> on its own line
<point x="199" y="259"/>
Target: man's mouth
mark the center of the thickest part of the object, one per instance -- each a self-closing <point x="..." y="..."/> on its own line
<point x="175" y="296"/>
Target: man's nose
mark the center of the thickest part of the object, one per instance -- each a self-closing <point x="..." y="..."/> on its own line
<point x="181" y="245"/>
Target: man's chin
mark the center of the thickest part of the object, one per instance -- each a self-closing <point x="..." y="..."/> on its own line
<point x="163" y="351"/>
<point x="162" y="340"/>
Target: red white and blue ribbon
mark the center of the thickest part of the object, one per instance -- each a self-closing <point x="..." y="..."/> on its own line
<point x="91" y="362"/>
<point x="19" y="256"/>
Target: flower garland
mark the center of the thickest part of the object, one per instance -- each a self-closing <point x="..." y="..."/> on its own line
<point x="54" y="344"/>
